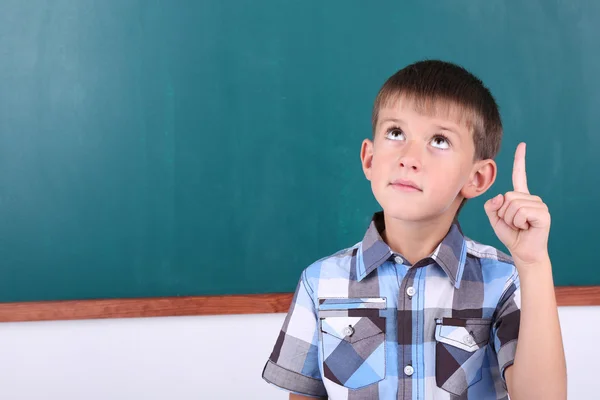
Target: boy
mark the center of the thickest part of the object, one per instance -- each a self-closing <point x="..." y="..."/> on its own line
<point x="416" y="310"/>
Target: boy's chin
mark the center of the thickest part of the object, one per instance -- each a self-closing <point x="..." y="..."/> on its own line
<point x="408" y="214"/>
<point x="405" y="214"/>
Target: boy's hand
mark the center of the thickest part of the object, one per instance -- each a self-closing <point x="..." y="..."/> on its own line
<point x="520" y="220"/>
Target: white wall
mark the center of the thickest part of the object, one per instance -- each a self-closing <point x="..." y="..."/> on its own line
<point x="185" y="358"/>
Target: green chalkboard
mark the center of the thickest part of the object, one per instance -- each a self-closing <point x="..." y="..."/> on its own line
<point x="171" y="147"/>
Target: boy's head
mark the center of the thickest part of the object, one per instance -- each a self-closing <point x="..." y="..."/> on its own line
<point x="437" y="128"/>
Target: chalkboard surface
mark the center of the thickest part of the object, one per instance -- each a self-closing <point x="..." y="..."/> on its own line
<point x="166" y="148"/>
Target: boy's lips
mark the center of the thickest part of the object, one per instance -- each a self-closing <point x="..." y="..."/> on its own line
<point x="405" y="185"/>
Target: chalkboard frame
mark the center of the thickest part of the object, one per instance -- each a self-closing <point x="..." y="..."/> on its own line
<point x="108" y="114"/>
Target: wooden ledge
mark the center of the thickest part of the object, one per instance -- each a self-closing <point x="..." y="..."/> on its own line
<point x="203" y="305"/>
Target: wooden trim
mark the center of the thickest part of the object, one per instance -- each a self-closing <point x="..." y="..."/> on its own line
<point x="203" y="305"/>
<point x="145" y="307"/>
<point x="578" y="295"/>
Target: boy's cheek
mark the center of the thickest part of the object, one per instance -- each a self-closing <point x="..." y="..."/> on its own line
<point x="376" y="174"/>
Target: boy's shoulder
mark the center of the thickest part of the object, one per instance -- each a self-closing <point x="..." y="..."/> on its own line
<point x="340" y="258"/>
<point x="487" y="252"/>
<point x="336" y="265"/>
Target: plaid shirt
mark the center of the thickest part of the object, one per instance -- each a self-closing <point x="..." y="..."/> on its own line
<point x="365" y="324"/>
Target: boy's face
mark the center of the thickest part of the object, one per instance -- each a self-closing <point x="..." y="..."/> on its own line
<point x="421" y="166"/>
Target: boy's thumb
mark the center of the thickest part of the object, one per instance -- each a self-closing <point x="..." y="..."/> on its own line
<point x="492" y="206"/>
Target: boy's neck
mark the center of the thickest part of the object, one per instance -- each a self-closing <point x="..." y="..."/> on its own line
<point x="415" y="240"/>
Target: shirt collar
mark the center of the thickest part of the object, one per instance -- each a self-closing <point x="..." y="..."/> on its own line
<point x="450" y="254"/>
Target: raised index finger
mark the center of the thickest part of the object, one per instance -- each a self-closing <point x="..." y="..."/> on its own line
<point x="519" y="176"/>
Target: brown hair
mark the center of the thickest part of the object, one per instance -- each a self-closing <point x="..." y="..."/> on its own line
<point x="432" y="85"/>
<point x="435" y="86"/>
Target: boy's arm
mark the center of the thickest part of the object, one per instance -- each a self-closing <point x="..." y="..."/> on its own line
<point x="539" y="370"/>
<point x="522" y="222"/>
<point x="293" y="364"/>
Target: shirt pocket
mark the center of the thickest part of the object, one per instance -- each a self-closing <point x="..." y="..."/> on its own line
<point x="460" y="352"/>
<point x="352" y="341"/>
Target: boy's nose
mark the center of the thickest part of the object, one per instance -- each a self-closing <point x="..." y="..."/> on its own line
<point x="410" y="158"/>
<point x="406" y="162"/>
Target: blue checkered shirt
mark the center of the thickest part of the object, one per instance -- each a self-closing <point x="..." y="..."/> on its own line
<point x="365" y="324"/>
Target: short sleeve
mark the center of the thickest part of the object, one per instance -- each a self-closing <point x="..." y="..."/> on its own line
<point x="506" y="324"/>
<point x="293" y="364"/>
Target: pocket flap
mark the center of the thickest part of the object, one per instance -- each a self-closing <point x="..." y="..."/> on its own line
<point x="353" y="329"/>
<point x="378" y="303"/>
<point x="465" y="334"/>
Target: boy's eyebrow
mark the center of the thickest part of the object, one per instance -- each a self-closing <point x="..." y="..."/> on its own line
<point x="449" y="129"/>
<point x="396" y="120"/>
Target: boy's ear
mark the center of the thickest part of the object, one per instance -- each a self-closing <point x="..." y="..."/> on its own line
<point x="366" y="157"/>
<point x="482" y="177"/>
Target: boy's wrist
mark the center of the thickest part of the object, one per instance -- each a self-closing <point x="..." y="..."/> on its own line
<point x="542" y="267"/>
<point x="541" y="260"/>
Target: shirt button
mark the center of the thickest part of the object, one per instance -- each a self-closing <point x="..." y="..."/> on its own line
<point x="398" y="260"/>
<point x="411" y="291"/>
<point x="348" y="331"/>
<point x="409" y="370"/>
<point x="469" y="340"/>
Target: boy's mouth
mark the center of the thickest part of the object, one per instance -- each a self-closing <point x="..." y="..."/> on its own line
<point x="405" y="185"/>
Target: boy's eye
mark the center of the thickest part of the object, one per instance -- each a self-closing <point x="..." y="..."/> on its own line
<point x="440" y="142"/>
<point x="395" y="134"/>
